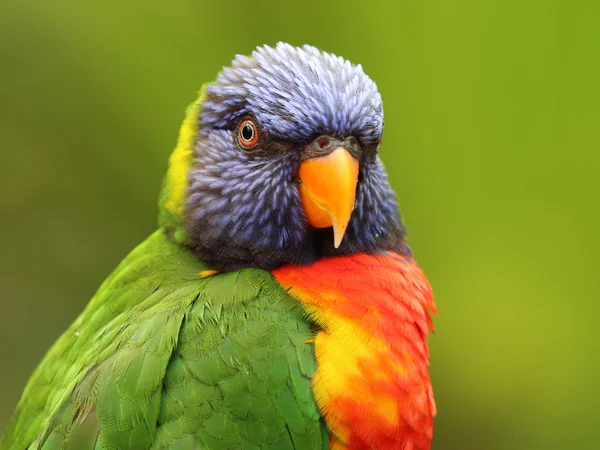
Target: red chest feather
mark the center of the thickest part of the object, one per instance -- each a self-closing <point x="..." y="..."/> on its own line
<point x="372" y="381"/>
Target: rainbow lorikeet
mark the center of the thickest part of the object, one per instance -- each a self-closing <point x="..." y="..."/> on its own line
<point x="278" y="305"/>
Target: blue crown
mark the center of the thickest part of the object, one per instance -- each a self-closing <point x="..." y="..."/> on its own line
<point x="296" y="94"/>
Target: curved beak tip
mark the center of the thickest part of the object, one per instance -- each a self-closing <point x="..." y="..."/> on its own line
<point x="338" y="235"/>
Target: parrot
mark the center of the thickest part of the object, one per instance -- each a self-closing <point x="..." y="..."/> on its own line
<point x="277" y="306"/>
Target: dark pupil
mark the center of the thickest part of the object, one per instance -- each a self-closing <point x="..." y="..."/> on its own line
<point x="247" y="132"/>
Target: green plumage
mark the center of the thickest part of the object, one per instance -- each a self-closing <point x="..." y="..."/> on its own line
<point x="163" y="358"/>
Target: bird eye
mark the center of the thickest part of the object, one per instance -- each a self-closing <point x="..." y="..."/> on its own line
<point x="248" y="133"/>
<point x="323" y="142"/>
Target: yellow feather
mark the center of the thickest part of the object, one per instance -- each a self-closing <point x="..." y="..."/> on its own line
<point x="181" y="158"/>
<point x="341" y="349"/>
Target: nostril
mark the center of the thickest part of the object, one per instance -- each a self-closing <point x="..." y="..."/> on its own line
<point x="323" y="143"/>
<point x="353" y="142"/>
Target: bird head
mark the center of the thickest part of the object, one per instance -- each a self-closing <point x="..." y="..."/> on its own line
<point x="277" y="162"/>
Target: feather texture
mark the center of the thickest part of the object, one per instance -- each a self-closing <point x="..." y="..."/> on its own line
<point x="162" y="358"/>
<point x="372" y="383"/>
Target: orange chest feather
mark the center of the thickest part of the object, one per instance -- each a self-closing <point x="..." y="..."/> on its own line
<point x="372" y="382"/>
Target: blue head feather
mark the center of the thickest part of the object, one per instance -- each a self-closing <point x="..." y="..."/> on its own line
<point x="297" y="93"/>
<point x="243" y="208"/>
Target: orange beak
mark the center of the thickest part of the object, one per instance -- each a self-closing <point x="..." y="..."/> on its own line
<point x="328" y="189"/>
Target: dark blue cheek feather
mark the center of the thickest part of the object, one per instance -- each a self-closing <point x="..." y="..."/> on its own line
<point x="245" y="210"/>
<point x="376" y="224"/>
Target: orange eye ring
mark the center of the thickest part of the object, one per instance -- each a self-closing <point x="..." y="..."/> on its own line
<point x="248" y="133"/>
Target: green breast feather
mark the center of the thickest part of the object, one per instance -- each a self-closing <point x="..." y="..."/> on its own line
<point x="162" y="358"/>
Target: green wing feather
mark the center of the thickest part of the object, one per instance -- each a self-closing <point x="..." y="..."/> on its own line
<point x="162" y="358"/>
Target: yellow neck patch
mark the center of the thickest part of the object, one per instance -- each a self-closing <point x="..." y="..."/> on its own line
<point x="181" y="158"/>
<point x="173" y="195"/>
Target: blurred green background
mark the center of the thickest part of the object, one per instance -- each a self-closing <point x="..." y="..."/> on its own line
<point x="491" y="141"/>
